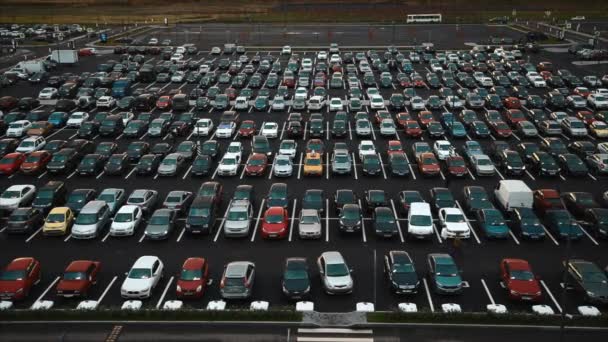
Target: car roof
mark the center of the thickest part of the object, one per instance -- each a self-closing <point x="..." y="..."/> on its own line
<point x="333" y="257"/>
<point x="237" y="269"/>
<point x="145" y="261"/>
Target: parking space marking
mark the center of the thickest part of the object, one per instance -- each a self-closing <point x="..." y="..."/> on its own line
<point x="428" y="294"/>
<point x="441" y="174"/>
<point x="469" y="224"/>
<point x="562" y="177"/>
<point x="513" y="236"/>
<point x="397" y="220"/>
<point x="42" y="174"/>
<point x="71" y="175"/>
<point x="350" y="132"/>
<point x="67" y="238"/>
<point x="300" y="165"/>
<point x="257" y="222"/>
<point x="362" y="224"/>
<point x="410" y="166"/>
<point x="326" y="167"/>
<point x="499" y="174"/>
<point x="103" y="294"/>
<point x="483" y="282"/>
<point x="559" y="308"/>
<point x="382" y="166"/>
<point x="592" y="177"/>
<point x="293" y="218"/>
<point x="46" y="291"/>
<point x="530" y="175"/>
<point x="3" y="229"/>
<point x="181" y="234"/>
<point x="589" y="236"/>
<point x="33" y="235"/>
<point x="326" y="220"/>
<point x="437" y="233"/>
<point x="355" y="166"/>
<point x="100" y="174"/>
<point x="221" y="227"/>
<point x="160" y="300"/>
<point x="130" y="172"/>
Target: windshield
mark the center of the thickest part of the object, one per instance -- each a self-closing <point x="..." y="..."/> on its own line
<point x="337" y="270"/>
<point x="522" y="275"/>
<point x="446" y="270"/>
<point x="12" y="275"/>
<point x="313" y="161"/>
<point x="237" y="216"/>
<point x="123" y="217"/>
<point x="140" y="273"/>
<point x="351" y="214"/>
<point x="55" y="218"/>
<point x="421" y="220"/>
<point x="74" y="276"/>
<point x="159" y="220"/>
<point x="170" y="161"/>
<point x="274" y="218"/>
<point x="84" y="218"/>
<point x="11" y="194"/>
<point x="190" y="275"/>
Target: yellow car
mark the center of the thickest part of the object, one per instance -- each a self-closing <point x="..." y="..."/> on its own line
<point x="313" y="164"/>
<point x="58" y="222"/>
<point x="599" y="129"/>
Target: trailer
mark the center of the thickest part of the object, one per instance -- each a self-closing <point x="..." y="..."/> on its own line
<point x="32" y="67"/>
<point x="64" y="56"/>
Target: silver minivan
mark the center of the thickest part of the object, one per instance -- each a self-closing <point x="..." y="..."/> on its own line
<point x="93" y="217"/>
<point x="238" y="219"/>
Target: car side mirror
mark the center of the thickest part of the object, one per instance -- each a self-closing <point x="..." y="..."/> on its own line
<point x="352" y="270"/>
<point x="126" y="273"/>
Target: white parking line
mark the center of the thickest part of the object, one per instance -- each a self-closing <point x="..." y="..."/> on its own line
<point x="33" y="235"/>
<point x="355" y="166"/>
<point x="67" y="238"/>
<point x="71" y="174"/>
<point x="499" y="174"/>
<point x="559" y="308"/>
<point x="293" y="218"/>
<point x="397" y="220"/>
<point x="483" y="282"/>
<point x="437" y="233"/>
<point x="592" y="177"/>
<point x="362" y="224"/>
<point x="45" y="291"/>
<point x="589" y="236"/>
<point x="106" y="237"/>
<point x="326" y="220"/>
<point x="350" y="132"/>
<point x="257" y="222"/>
<point x="103" y="294"/>
<point x="143" y="236"/>
<point x="160" y="300"/>
<point x="469" y="224"/>
<point x="410" y="166"/>
<point x="3" y="229"/>
<point x="42" y="174"/>
<point x="187" y="172"/>
<point x="181" y="234"/>
<point x="300" y="165"/>
<point x="221" y="227"/>
<point x="130" y="173"/>
<point x="326" y="167"/>
<point x="441" y="174"/>
<point x="215" y="172"/>
<point x="428" y="294"/>
<point x="530" y="175"/>
<point x="100" y="174"/>
<point x="382" y="166"/>
<point x="513" y="236"/>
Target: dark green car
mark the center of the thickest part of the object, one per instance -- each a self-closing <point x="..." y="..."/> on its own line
<point x="492" y="223"/>
<point x="398" y="164"/>
<point x="371" y="165"/>
<point x="527" y="224"/>
<point x="573" y="165"/>
<point x="563" y="224"/>
<point x="444" y="274"/>
<point x="277" y="196"/>
<point x="384" y="223"/>
<point x="201" y="165"/>
<point x="314" y="199"/>
<point x="401" y="272"/>
<point x="296" y="279"/>
<point x="597" y="219"/>
<point x="435" y="130"/>
<point x="585" y="276"/>
<point x="338" y="128"/>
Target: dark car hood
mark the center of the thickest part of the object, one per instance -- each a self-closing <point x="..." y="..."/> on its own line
<point x="296" y="285"/>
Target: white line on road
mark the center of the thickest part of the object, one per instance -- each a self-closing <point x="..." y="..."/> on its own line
<point x="483" y="282"/>
<point x="559" y="308"/>
<point x="469" y="224"/>
<point x="513" y="236"/>
<point x="428" y="294"/>
<point x="33" y="235"/>
<point x="179" y="238"/>
<point x="130" y="173"/>
<point x="397" y="220"/>
<point x="45" y="291"/>
<point x="257" y="222"/>
<point x="362" y="225"/>
<point x="160" y="301"/>
<point x="589" y="236"/>
<point x="219" y="230"/>
<point x="106" y="290"/>
<point x="293" y="218"/>
<point x="326" y="220"/>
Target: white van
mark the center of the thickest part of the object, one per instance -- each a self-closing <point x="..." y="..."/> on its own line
<point x="420" y="220"/>
<point x="316" y="103"/>
<point x="512" y="193"/>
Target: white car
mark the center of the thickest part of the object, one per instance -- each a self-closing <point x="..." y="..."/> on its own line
<point x="203" y="127"/>
<point x="283" y="166"/>
<point x="47" y="93"/>
<point x="180" y="50"/>
<point x="454" y="102"/>
<point x="229" y="166"/>
<point x="420" y="220"/>
<point x="17" y="196"/>
<point x="486" y="82"/>
<point x="76" y="119"/>
<point x="177" y="57"/>
<point x="602" y="148"/>
<point x="364" y="67"/>
<point x="376" y="102"/>
<point x="576" y="101"/>
<point x="322" y="55"/>
<point x="241" y="103"/>
<point x="18" y="128"/>
<point x="366" y="147"/>
<point x="442" y="149"/>
<point x="216" y="50"/>
<point x="225" y="129"/>
<point x="142" y="278"/>
<point x="288" y="148"/>
<point x="316" y="102"/>
<point x="597" y="101"/>
<point x="126" y="117"/>
<point x="270" y="130"/>
<point x="436" y="67"/>
<point x="204" y="68"/>
<point x="306" y="64"/>
<point x="335" y="58"/>
<point x="235" y="149"/>
<point x="417" y="103"/>
<point x="453" y="223"/>
<point x="335" y="104"/>
<point x="301" y="94"/>
<point x="387" y="127"/>
<point x="153" y="41"/>
<point x="31" y="144"/>
<point x="106" y="102"/>
<point x="286" y="50"/>
<point x="278" y="103"/>
<point x="178" y="77"/>
<point x="601" y="91"/>
<point x="363" y="128"/>
<point x="536" y="80"/>
<point x="126" y="220"/>
<point x="558" y="116"/>
<point x="309" y="226"/>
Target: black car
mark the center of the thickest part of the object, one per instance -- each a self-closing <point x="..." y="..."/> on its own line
<point x="511" y="163"/>
<point x="442" y="198"/>
<point x="201" y="165"/>
<point x="161" y="149"/>
<point x="63" y="161"/>
<point x="52" y="194"/>
<point x="400" y="272"/>
<point x="90" y="165"/>
<point x="572" y="165"/>
<point x="148" y="164"/>
<point x="578" y="202"/>
<point x="116" y="164"/>
<point x="371" y="165"/>
<point x="81" y="146"/>
<point x="296" y="278"/>
<point x="88" y="130"/>
<point x="375" y="198"/>
<point x="24" y="220"/>
<point x="294" y="129"/>
<point x="526" y="150"/>
<point x="398" y="164"/>
<point x="8" y="145"/>
<point x="583" y="148"/>
<point x="544" y="164"/>
<point x="137" y="149"/>
<point x="597" y="220"/>
<point x="135" y="129"/>
<point x="51" y="146"/>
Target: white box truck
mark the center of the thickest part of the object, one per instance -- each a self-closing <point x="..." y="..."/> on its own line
<point x="31" y="67"/>
<point x="513" y="193"/>
<point x="65" y="56"/>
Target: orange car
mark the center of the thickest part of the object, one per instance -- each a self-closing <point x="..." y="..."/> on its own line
<point x="35" y="162"/>
<point x="40" y="128"/>
<point x="313" y="164"/>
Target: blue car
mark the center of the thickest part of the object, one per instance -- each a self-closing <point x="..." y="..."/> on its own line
<point x="493" y="223"/>
<point x="58" y="119"/>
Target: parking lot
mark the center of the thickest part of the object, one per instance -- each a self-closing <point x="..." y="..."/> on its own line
<point x="363" y="251"/>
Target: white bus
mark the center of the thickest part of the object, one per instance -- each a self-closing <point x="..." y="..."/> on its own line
<point x="423" y="18"/>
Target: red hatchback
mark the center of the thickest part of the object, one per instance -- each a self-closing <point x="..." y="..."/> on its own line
<point x="394" y="146"/>
<point x="247" y="129"/>
<point x="78" y="278"/>
<point x="256" y="164"/>
<point x="18" y="278"/>
<point x="428" y="164"/>
<point x="274" y="223"/>
<point x="402" y="119"/>
<point x="519" y="281"/>
<point x="501" y="129"/>
<point x="193" y="278"/>
<point x="512" y="103"/>
<point x="163" y="102"/>
<point x="514" y="116"/>
<point x="35" y="162"/>
<point x="456" y="166"/>
<point x="412" y="129"/>
<point x="11" y="163"/>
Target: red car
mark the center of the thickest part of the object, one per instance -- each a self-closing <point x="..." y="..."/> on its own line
<point x="18" y="278"/>
<point x="519" y="281"/>
<point x="428" y="164"/>
<point x="402" y="119"/>
<point x="425" y="117"/>
<point x="501" y="129"/>
<point x="545" y="74"/>
<point x="231" y="93"/>
<point x="78" y="278"/>
<point x="514" y="116"/>
<point x="193" y="278"/>
<point x="86" y="52"/>
<point x="419" y="82"/>
<point x="163" y="102"/>
<point x="35" y="162"/>
<point x="547" y="199"/>
<point x="412" y="129"/>
<point x="274" y="223"/>
<point x="336" y="68"/>
<point x="456" y="166"/>
<point x="11" y="162"/>
<point x="405" y="82"/>
<point x="247" y="129"/>
<point x="381" y="115"/>
<point x="512" y="103"/>
<point x="394" y="146"/>
<point x="582" y="91"/>
<point x="586" y="116"/>
<point x="256" y="164"/>
<point x="289" y="81"/>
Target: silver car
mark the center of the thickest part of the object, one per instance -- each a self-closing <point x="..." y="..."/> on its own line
<point x="310" y="224"/>
<point x="283" y="166"/>
<point x="335" y="273"/>
<point x="143" y="198"/>
<point x="527" y="129"/>
<point x="238" y="280"/>
<point x="363" y="128"/>
<point x="483" y="165"/>
<point x="387" y="127"/>
<point x="238" y="219"/>
<point x="171" y="165"/>
<point x="341" y="162"/>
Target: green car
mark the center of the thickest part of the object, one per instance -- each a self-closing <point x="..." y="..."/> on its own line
<point x="561" y="223"/>
<point x="398" y="164"/>
<point x="528" y="224"/>
<point x="587" y="277"/>
<point x="255" y="81"/>
<point x="272" y="81"/>
<point x="314" y="199"/>
<point x="401" y="272"/>
<point x="296" y="280"/>
<point x="384" y="222"/>
<point x="371" y="165"/>
<point x="221" y="102"/>
<point x="479" y="129"/>
<point x="261" y="103"/>
<point x="597" y="218"/>
<point x="444" y="274"/>
<point x="355" y="104"/>
<point x="397" y="101"/>
<point x="201" y="165"/>
<point x="573" y="165"/>
<point x="339" y="128"/>
<point x="493" y="223"/>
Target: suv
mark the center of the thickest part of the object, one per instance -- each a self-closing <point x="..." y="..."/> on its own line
<point x="202" y="214"/>
<point x="238" y="219"/>
<point x="53" y="194"/>
<point x="335" y="274"/>
<point x="237" y="280"/>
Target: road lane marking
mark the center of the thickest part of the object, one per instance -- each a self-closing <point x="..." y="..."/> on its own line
<point x="45" y="292"/>
<point x="397" y="220"/>
<point x="437" y="233"/>
<point x="513" y="236"/>
<point x="33" y="235"/>
<point x="221" y="227"/>
<point x="589" y="236"/>
<point x="179" y="238"/>
<point x="362" y="223"/>
<point x="160" y="301"/>
<point x="326" y="220"/>
<point x="483" y="282"/>
<point x="428" y="294"/>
